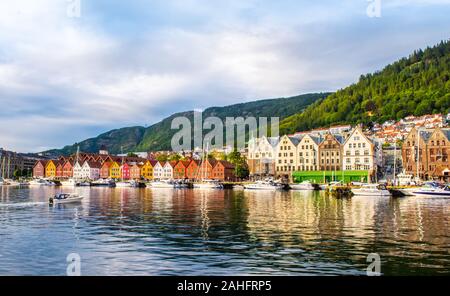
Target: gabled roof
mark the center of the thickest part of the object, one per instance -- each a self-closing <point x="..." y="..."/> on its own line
<point x="446" y="132"/>
<point x="94" y="164"/>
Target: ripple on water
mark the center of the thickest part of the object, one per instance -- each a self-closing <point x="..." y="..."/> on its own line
<point x="186" y="232"/>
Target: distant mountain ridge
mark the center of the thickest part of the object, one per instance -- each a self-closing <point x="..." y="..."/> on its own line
<point x="158" y="136"/>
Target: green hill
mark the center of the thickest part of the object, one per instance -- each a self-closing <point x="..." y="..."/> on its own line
<point x="416" y="85"/>
<point x="158" y="136"/>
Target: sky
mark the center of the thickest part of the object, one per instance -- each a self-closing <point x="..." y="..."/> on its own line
<point x="70" y="72"/>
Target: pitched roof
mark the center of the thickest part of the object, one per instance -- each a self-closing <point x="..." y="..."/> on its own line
<point x="226" y="164"/>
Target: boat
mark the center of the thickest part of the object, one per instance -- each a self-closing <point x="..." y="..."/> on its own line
<point x="162" y="184"/>
<point x="103" y="182"/>
<point x="84" y="184"/>
<point x="127" y="184"/>
<point x="41" y="182"/>
<point x="371" y="190"/>
<point x="15" y="183"/>
<point x="432" y="189"/>
<point x="69" y="183"/>
<point x="263" y="185"/>
<point x="305" y="185"/>
<point x="208" y="184"/>
<point x="330" y="185"/>
<point x="64" y="198"/>
<point x="408" y="191"/>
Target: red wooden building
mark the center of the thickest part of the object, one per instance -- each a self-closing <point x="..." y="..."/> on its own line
<point x="223" y="171"/>
<point x="39" y="169"/>
<point x="125" y="172"/>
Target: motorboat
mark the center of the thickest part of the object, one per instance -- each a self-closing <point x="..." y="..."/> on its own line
<point x="371" y="190"/>
<point x="69" y="183"/>
<point x="208" y="184"/>
<point x="16" y="183"/>
<point x="64" y="198"/>
<point x="432" y="189"/>
<point x="84" y="184"/>
<point x="305" y="185"/>
<point x="408" y="191"/>
<point x="263" y="185"/>
<point x="330" y="185"/>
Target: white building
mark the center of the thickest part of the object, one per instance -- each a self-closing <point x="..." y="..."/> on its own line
<point x="78" y="171"/>
<point x="91" y="170"/>
<point x="261" y="155"/>
<point x="167" y="170"/>
<point x="158" y="171"/>
<point x="359" y="152"/>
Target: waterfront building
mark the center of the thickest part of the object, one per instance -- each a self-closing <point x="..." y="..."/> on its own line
<point x="330" y="153"/>
<point x="158" y="171"/>
<point x="147" y="169"/>
<point x="425" y="153"/>
<point x="125" y="171"/>
<point x="414" y="152"/>
<point x="438" y="150"/>
<point x="287" y="160"/>
<point x="39" y="169"/>
<point x="91" y="170"/>
<point x="192" y="169"/>
<point x="223" y="171"/>
<point x="359" y="152"/>
<point x="261" y="156"/>
<point x="59" y="168"/>
<point x="135" y="171"/>
<point x="105" y="170"/>
<point x="50" y="169"/>
<point x="180" y="169"/>
<point x="78" y="170"/>
<point x="68" y="169"/>
<point x="308" y="153"/>
<point x="168" y="170"/>
<point x="114" y="170"/>
<point x="205" y="169"/>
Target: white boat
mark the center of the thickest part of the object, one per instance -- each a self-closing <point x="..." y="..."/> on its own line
<point x="84" y="184"/>
<point x="125" y="184"/>
<point x="371" y="190"/>
<point x="162" y="184"/>
<point x="432" y="189"/>
<point x="69" y="183"/>
<point x="263" y="185"/>
<point x="208" y="184"/>
<point x="41" y="182"/>
<point x="63" y="198"/>
<point x="408" y="191"/>
<point x="305" y="185"/>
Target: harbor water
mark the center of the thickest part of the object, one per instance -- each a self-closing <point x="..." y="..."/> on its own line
<point x="128" y="231"/>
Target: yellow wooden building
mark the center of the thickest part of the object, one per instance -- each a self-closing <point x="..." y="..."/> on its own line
<point x="114" y="170"/>
<point x="147" y="170"/>
<point x="50" y="169"/>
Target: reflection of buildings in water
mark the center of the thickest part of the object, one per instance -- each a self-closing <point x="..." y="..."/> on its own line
<point x="359" y="216"/>
<point x="204" y="216"/>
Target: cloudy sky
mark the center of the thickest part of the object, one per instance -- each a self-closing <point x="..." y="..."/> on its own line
<point x="65" y="78"/>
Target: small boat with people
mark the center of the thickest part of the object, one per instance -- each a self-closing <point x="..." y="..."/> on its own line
<point x="305" y="185"/>
<point x="432" y="189"/>
<point x="63" y="198"/>
<point x="264" y="185"/>
<point x="371" y="190"/>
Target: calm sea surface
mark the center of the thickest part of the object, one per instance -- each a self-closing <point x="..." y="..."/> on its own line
<point x="186" y="232"/>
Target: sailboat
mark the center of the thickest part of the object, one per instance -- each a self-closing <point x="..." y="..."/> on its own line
<point x="206" y="183"/>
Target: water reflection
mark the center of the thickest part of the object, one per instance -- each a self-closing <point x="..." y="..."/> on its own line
<point x="175" y="232"/>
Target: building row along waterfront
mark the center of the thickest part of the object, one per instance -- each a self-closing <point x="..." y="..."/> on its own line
<point x="336" y="149"/>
